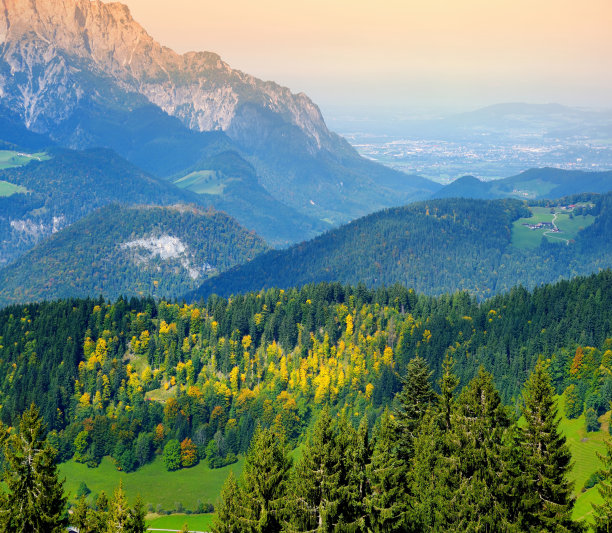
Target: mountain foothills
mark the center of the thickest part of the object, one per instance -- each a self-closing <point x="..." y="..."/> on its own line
<point x="193" y="382"/>
<point x="69" y="185"/>
<point x="121" y="89"/>
<point x="438" y="246"/>
<point x="131" y="251"/>
<point x="537" y="183"/>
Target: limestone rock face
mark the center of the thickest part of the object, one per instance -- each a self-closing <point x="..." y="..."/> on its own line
<point x="54" y="53"/>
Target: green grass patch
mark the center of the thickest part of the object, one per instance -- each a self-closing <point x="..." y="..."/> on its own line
<point x="12" y="159"/>
<point x="195" y="522"/>
<point x="202" y="182"/>
<point x="526" y="238"/>
<point x="8" y="189"/>
<point x="153" y="482"/>
<point x="584" y="447"/>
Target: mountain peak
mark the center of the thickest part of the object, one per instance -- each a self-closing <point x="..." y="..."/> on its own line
<point x="197" y="87"/>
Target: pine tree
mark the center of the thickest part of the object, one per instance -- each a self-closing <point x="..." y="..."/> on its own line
<point x="33" y="500"/>
<point x="136" y="519"/>
<point x="81" y="516"/>
<point x="548" y="498"/>
<point x="318" y="489"/>
<point x="416" y="396"/>
<point x="119" y="512"/>
<point x="226" y="520"/>
<point x="359" y="482"/>
<point x="387" y="473"/>
<point x="603" y="513"/>
<point x="480" y="427"/>
<point x="264" y="483"/>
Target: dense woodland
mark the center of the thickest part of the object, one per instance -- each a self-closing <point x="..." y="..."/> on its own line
<point x="434" y="247"/>
<point x="132" y="377"/>
<point x="68" y="187"/>
<point x="94" y="255"/>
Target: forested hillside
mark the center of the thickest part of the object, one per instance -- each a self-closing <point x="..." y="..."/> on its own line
<point x="130" y="251"/>
<point x="68" y="186"/>
<point x="128" y="377"/>
<point x="434" y="247"/>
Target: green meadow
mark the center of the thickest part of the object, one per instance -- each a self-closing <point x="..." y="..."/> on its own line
<point x="11" y="159"/>
<point x="195" y="522"/>
<point x="526" y="238"/>
<point x="153" y="482"/>
<point x="8" y="189"/>
<point x="202" y="182"/>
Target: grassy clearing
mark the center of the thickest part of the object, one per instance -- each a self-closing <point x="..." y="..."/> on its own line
<point x="202" y="182"/>
<point x="195" y="522"/>
<point x="153" y="482"/>
<point x="525" y="238"/>
<point x="8" y="189"/>
<point x="12" y="159"/>
<point x="584" y="447"/>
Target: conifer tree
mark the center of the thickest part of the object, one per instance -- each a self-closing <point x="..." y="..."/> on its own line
<point x="480" y="427"/>
<point x="81" y="516"/>
<point x="318" y="495"/>
<point x="264" y="483"/>
<point x="548" y="499"/>
<point x="33" y="499"/>
<point x="603" y="513"/>
<point x="226" y="520"/>
<point x="387" y="471"/>
<point x="359" y="482"/>
<point x="136" y="519"/>
<point x="416" y="396"/>
<point x="119" y="512"/>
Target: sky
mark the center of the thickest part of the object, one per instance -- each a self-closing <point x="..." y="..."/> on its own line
<point x="404" y="54"/>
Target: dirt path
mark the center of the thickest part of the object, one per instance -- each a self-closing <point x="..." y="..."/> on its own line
<point x="551" y="231"/>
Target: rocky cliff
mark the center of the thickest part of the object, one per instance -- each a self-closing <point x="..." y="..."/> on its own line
<point x="52" y="47"/>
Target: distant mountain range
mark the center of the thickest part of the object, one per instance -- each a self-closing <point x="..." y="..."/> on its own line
<point x="130" y="251"/>
<point x="435" y="247"/>
<point x="532" y="184"/>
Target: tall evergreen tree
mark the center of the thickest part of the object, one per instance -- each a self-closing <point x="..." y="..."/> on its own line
<point x="318" y="489"/>
<point x="264" y="483"/>
<point x="548" y="499"/>
<point x="34" y="498"/>
<point x="119" y="512"/>
<point x="480" y="427"/>
<point x="387" y="472"/>
<point x="603" y="513"/>
<point x="226" y="520"/>
<point x="416" y="396"/>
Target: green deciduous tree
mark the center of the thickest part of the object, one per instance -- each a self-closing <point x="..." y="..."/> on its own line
<point x="172" y="455"/>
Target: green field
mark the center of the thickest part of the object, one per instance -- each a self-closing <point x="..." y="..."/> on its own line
<point x="11" y="159"/>
<point x="525" y="238"/>
<point x="584" y="447"/>
<point x="8" y="189"/>
<point x="195" y="522"/>
<point x="202" y="182"/>
<point x="153" y="482"/>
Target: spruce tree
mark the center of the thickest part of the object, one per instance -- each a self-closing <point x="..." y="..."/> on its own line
<point x="81" y="516"/>
<point x="136" y="519"/>
<point x="479" y="432"/>
<point x="229" y="507"/>
<point x="548" y="499"/>
<point x="119" y="512"/>
<point x="33" y="499"/>
<point x="387" y="472"/>
<point x="416" y="396"/>
<point x="318" y="488"/>
<point x="603" y="513"/>
<point x="264" y="483"/>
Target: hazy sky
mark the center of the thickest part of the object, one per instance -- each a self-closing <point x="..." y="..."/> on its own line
<point x="404" y="53"/>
